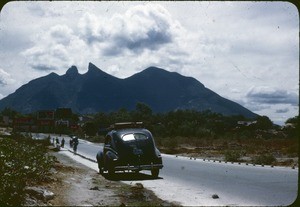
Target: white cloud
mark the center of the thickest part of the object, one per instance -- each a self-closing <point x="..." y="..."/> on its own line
<point x="56" y="49"/>
<point x="139" y="29"/>
<point x="282" y="110"/>
<point x="267" y="95"/>
<point x="5" y="78"/>
<point x="60" y="34"/>
<point x="48" y="57"/>
<point x="146" y="33"/>
<point x="88" y="26"/>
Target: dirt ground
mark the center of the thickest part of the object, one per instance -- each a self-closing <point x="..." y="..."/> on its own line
<point x="74" y="184"/>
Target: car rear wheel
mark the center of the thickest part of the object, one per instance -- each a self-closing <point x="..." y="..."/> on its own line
<point x="154" y="173"/>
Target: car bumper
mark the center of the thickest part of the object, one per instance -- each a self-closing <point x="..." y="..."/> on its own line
<point x="139" y="167"/>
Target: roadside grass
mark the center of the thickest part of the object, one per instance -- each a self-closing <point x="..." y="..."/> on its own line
<point x="230" y="148"/>
<point x="23" y="161"/>
<point x="266" y="159"/>
<point x="233" y="155"/>
<point x="267" y="151"/>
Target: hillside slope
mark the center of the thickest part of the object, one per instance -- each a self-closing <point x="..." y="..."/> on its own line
<point x="98" y="91"/>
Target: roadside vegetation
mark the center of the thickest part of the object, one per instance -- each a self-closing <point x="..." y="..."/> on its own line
<point x="203" y="134"/>
<point x="23" y="162"/>
<point x="210" y="135"/>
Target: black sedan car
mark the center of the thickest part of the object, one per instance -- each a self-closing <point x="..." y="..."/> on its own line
<point x="129" y="146"/>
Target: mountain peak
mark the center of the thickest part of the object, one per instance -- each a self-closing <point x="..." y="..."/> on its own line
<point x="154" y="69"/>
<point x="93" y="68"/>
<point x="160" y="71"/>
<point x="72" y="71"/>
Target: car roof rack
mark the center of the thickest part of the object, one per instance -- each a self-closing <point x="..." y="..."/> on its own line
<point x="126" y="125"/>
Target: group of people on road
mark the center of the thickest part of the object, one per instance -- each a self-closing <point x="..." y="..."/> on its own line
<point x="73" y="143"/>
<point x="62" y="142"/>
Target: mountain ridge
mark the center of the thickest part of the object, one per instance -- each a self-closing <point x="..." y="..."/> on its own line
<point x="97" y="90"/>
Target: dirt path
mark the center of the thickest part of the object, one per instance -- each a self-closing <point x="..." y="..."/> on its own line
<point x="74" y="184"/>
<point x="77" y="185"/>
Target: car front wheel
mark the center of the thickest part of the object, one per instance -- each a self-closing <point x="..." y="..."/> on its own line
<point x="111" y="171"/>
<point x="100" y="170"/>
<point x="100" y="166"/>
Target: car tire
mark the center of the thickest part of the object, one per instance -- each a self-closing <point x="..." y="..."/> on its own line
<point x="154" y="173"/>
<point x="100" y="166"/>
<point x="101" y="171"/>
<point x="111" y="171"/>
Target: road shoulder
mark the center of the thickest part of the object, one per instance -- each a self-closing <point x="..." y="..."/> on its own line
<point x="74" y="184"/>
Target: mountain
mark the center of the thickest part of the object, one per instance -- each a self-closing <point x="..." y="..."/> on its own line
<point x="98" y="91"/>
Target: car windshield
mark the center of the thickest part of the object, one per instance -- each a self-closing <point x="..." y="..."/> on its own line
<point x="135" y="136"/>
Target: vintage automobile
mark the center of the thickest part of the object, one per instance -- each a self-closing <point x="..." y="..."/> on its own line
<point x="129" y="147"/>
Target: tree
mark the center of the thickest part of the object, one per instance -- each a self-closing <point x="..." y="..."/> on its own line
<point x="263" y="122"/>
<point x="295" y="120"/>
<point x="102" y="120"/>
<point x="122" y="115"/>
<point x="293" y="130"/>
<point x="90" y="128"/>
<point x="143" y="108"/>
<point x="9" y="112"/>
<point x="143" y="112"/>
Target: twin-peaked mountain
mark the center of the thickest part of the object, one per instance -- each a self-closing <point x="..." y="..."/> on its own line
<point x="97" y="91"/>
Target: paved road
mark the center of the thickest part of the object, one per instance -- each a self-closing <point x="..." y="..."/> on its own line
<point x="239" y="183"/>
<point x="234" y="184"/>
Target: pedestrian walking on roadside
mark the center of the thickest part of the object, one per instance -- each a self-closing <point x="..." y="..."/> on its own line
<point x="63" y="142"/>
<point x="75" y="143"/>
<point x="71" y="142"/>
<point x="57" y="144"/>
<point x="57" y="140"/>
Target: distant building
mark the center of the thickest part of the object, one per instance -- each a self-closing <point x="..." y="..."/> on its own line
<point x="84" y="119"/>
<point x="246" y="123"/>
<point x="61" y="119"/>
<point x="63" y="113"/>
<point x="62" y="122"/>
<point x="45" y="120"/>
<point x="6" y="121"/>
<point x="65" y="119"/>
<point x="26" y="124"/>
<point x="45" y="115"/>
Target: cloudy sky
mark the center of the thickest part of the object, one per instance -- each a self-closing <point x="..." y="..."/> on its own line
<point x="247" y="52"/>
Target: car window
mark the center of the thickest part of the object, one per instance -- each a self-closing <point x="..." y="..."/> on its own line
<point x="136" y="136"/>
<point x="128" y="137"/>
<point x="140" y="136"/>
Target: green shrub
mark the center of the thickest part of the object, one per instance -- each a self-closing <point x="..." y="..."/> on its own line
<point x="232" y="155"/>
<point x="266" y="159"/>
<point x="22" y="161"/>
